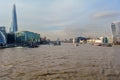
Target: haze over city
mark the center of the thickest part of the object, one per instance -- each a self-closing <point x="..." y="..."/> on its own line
<point x="62" y="18"/>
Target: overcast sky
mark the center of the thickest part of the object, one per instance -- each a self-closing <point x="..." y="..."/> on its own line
<point x="62" y="18"/>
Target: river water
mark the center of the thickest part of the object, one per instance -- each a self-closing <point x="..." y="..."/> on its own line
<point x="65" y="62"/>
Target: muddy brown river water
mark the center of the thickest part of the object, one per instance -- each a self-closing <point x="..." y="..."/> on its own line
<point x="65" y="62"/>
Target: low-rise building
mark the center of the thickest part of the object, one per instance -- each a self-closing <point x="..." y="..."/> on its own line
<point x="27" y="37"/>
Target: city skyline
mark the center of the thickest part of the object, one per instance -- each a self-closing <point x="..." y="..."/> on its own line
<point x="64" y="18"/>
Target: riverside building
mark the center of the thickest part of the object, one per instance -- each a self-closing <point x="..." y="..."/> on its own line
<point x="3" y="30"/>
<point x="115" y="26"/>
<point x="2" y="39"/>
<point x="2" y="36"/>
<point x="27" y="37"/>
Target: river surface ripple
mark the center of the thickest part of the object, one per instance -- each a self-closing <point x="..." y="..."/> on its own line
<point x="65" y="62"/>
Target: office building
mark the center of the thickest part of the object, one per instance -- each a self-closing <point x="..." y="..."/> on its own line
<point x="14" y="26"/>
<point x="11" y="38"/>
<point x="2" y="36"/>
<point x="3" y="30"/>
<point x="115" y="26"/>
<point x="2" y="39"/>
<point x="26" y="37"/>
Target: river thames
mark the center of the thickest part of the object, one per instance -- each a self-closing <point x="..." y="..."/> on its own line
<point x="65" y="62"/>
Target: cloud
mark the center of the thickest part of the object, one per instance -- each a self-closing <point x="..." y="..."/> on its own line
<point x="94" y="28"/>
<point x="117" y="21"/>
<point x="106" y="14"/>
<point x="60" y="18"/>
<point x="56" y="13"/>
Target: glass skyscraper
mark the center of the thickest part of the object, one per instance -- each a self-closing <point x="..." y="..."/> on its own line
<point x="116" y="32"/>
<point x="115" y="28"/>
<point x="14" y="26"/>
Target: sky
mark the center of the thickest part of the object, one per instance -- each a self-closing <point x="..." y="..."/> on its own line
<point x="62" y="18"/>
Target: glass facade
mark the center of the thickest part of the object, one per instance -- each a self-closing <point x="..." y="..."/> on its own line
<point x="2" y="39"/>
<point x="3" y="30"/>
<point x="10" y="38"/>
<point x="115" y="26"/>
<point x="26" y="37"/>
<point x="14" y="26"/>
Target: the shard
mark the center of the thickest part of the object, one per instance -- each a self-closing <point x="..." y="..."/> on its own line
<point x="14" y="26"/>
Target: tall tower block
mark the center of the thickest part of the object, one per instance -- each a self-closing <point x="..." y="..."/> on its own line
<point x="14" y="26"/>
<point x="115" y="26"/>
